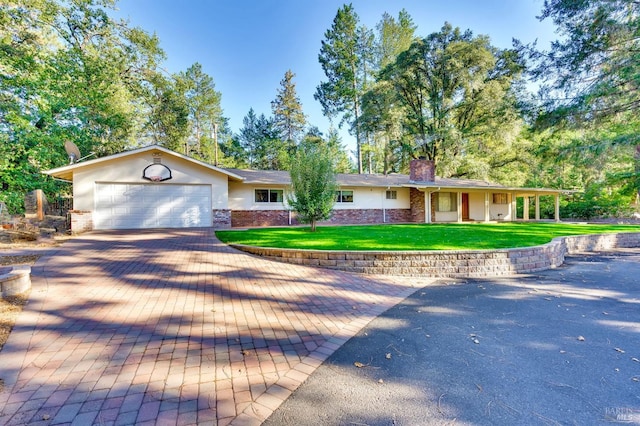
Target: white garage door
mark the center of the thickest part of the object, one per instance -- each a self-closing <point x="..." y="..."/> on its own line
<point x="140" y="206"/>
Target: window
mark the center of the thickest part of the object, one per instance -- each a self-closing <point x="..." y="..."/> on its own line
<point x="269" y="195"/>
<point x="392" y="195"/>
<point x="500" y="198"/>
<point x="446" y="202"/>
<point x="344" y="196"/>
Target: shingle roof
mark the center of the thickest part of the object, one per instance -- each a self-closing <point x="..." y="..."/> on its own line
<point x="277" y="177"/>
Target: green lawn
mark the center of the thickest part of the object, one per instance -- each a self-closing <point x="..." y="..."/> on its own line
<point x="471" y="236"/>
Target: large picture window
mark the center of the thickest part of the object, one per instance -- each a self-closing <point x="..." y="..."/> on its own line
<point x="269" y="195"/>
<point x="344" y="196"/>
<point x="446" y="201"/>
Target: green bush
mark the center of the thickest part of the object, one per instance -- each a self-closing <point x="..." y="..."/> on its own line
<point x="13" y="200"/>
<point x="598" y="202"/>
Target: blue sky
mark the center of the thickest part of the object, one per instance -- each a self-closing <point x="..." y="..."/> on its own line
<point x="246" y="46"/>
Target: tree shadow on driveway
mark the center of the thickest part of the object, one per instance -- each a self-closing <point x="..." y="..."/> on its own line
<point x="128" y="327"/>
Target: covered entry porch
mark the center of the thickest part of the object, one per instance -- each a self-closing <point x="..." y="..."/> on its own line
<point x="455" y="204"/>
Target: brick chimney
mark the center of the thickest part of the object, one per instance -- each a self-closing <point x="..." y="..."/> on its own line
<point x="421" y="170"/>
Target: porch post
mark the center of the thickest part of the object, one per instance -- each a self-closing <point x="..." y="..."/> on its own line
<point x="514" y="207"/>
<point x="525" y="209"/>
<point x="556" y="215"/>
<point x="459" y="206"/>
<point x="427" y="206"/>
<point x="537" y="207"/>
<point x="487" y="206"/>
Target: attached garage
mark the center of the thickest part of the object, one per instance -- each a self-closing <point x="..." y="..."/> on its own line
<point x="143" y="206"/>
<point x="146" y="188"/>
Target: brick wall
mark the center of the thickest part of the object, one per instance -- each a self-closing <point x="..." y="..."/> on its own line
<point x="452" y="264"/>
<point x="250" y="218"/>
<point x="398" y="215"/>
<point x="254" y="218"/>
<point x="81" y="221"/>
<point x="369" y="216"/>
<point x="421" y="170"/>
<point x="418" y="209"/>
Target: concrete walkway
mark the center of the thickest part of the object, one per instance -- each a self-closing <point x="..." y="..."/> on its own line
<point x="174" y="328"/>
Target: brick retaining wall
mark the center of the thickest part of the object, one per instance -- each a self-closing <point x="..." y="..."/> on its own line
<point x="452" y="264"/>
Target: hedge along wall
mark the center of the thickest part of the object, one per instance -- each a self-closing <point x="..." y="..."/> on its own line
<point x="454" y="263"/>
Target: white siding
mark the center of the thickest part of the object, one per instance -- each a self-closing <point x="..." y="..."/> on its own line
<point x="241" y="197"/>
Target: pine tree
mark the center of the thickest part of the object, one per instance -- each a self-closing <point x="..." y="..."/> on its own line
<point x="288" y="116"/>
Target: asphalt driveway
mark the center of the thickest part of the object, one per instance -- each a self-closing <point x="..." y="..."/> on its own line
<point x="558" y="347"/>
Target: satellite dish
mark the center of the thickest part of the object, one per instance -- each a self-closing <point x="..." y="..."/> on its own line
<point x="72" y="151"/>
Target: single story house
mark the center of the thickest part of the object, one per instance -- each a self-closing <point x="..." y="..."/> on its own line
<point x="154" y="187"/>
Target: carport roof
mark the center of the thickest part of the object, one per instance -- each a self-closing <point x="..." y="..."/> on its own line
<point x="66" y="172"/>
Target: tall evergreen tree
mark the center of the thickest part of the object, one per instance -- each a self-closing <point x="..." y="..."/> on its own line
<point x="394" y="37"/>
<point x="592" y="79"/>
<point x="287" y="110"/>
<point x="342" y="57"/>
<point x="167" y="114"/>
<point x="205" y="111"/>
<point x="260" y="140"/>
<point x="381" y="115"/>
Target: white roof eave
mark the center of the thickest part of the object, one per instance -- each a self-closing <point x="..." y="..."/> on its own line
<point x="57" y="172"/>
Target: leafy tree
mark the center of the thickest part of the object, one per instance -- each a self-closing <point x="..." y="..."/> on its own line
<point x="313" y="184"/>
<point x="69" y="73"/>
<point x="287" y="110"/>
<point x="343" y="57"/>
<point x="456" y="90"/>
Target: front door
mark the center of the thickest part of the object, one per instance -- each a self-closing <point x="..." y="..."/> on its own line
<point x="465" y="206"/>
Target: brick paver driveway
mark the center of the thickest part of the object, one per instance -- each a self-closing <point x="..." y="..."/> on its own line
<point x="173" y="327"/>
